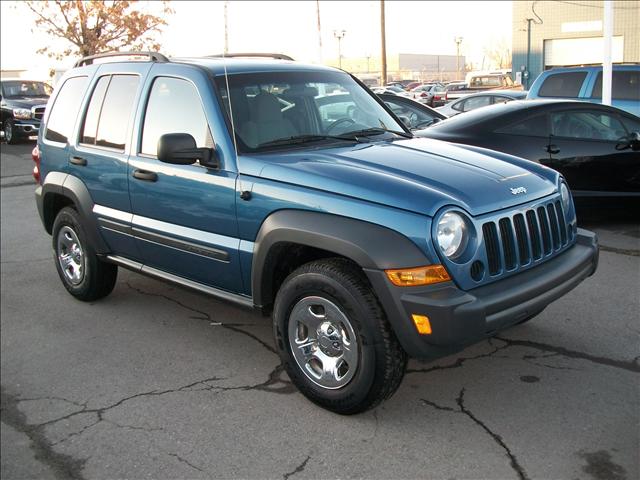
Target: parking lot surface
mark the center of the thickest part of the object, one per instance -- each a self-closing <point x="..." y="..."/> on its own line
<point x="159" y="382"/>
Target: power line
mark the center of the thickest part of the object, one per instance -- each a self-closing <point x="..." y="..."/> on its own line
<point x="589" y="5"/>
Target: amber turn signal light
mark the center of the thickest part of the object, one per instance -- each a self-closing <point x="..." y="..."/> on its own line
<point x="413" y="277"/>
<point x="422" y="324"/>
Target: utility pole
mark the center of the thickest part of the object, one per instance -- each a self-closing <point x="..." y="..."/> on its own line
<point x="607" y="69"/>
<point x="226" y="28"/>
<point x="319" y="32"/>
<point x="383" y="76"/>
<point x="339" y="34"/>
<point x="458" y="41"/>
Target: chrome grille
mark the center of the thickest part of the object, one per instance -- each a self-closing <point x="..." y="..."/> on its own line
<point x="38" y="112"/>
<point x="515" y="241"/>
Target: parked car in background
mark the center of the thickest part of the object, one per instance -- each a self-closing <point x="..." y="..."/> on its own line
<point x="482" y="99"/>
<point x="595" y="147"/>
<point x="22" y="104"/>
<point x="392" y="90"/>
<point x="451" y="90"/>
<point x="585" y="83"/>
<point x="431" y="94"/>
<point x="412" y="85"/>
<point x="484" y="82"/>
<point x="414" y="115"/>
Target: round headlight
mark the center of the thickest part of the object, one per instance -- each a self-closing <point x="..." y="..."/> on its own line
<point x="452" y="234"/>
<point x="566" y="197"/>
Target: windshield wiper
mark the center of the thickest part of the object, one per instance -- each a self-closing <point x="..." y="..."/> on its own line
<point x="376" y="131"/>
<point x="297" y="139"/>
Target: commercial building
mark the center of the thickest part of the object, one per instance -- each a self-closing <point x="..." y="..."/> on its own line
<point x="405" y="66"/>
<point x="549" y="34"/>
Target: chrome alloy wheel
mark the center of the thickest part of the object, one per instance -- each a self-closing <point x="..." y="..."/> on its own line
<point x="70" y="255"/>
<point x="323" y="342"/>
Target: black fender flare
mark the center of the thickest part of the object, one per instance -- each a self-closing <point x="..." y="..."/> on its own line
<point x="369" y="245"/>
<point x="72" y="188"/>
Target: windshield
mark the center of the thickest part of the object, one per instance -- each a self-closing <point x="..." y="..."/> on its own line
<point x="18" y="88"/>
<point x="271" y="108"/>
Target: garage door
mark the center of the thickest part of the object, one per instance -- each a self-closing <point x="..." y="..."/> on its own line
<point x="579" y="51"/>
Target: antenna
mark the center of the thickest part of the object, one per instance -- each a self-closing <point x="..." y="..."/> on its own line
<point x="233" y="127"/>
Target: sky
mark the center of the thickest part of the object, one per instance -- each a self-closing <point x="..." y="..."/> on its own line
<point x="197" y="28"/>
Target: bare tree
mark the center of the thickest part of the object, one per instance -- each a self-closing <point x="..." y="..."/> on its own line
<point x="97" y="26"/>
<point x="499" y="53"/>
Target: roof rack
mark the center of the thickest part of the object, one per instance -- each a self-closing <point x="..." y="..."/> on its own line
<point x="153" y="57"/>
<point x="277" y="56"/>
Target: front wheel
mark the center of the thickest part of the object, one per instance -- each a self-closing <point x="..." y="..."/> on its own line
<point x="9" y="132"/>
<point x="333" y="337"/>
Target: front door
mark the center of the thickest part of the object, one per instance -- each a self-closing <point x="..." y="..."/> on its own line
<point x="183" y="215"/>
<point x="586" y="147"/>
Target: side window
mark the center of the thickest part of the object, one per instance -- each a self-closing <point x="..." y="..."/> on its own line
<point x="533" y="127"/>
<point x="587" y="125"/>
<point x="90" y="126"/>
<point x="476" y="102"/>
<point x="625" y="85"/>
<point x="459" y="106"/>
<point x="499" y="99"/>
<point x="632" y="124"/>
<point x="415" y="117"/>
<point x="65" y="110"/>
<point x="116" y="111"/>
<point x="562" y="84"/>
<point x="174" y="106"/>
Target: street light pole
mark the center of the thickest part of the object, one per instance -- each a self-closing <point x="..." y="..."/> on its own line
<point x="383" y="76"/>
<point x="339" y="34"/>
<point x="458" y="41"/>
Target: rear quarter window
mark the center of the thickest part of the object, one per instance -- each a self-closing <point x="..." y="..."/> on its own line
<point x="532" y="127"/>
<point x="625" y="85"/>
<point x="566" y="84"/>
<point x="64" y="112"/>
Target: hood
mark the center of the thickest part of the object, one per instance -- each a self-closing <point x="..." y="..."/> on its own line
<point x="25" y="102"/>
<point x="419" y="175"/>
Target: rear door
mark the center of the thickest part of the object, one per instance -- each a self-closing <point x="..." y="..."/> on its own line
<point x="586" y="147"/>
<point x="184" y="215"/>
<point x="100" y="153"/>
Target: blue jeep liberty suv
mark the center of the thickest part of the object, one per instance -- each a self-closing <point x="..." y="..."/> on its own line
<point x="293" y="189"/>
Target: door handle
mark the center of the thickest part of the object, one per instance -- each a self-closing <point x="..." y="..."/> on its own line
<point x="145" y="175"/>
<point x="553" y="149"/>
<point x="82" y="162"/>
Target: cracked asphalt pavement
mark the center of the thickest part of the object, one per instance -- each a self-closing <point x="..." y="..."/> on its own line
<point x="160" y="382"/>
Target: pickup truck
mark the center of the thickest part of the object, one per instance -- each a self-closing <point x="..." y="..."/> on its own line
<point x="480" y="83"/>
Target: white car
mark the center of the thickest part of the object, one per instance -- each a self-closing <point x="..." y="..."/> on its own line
<point x="480" y="99"/>
<point x="393" y="90"/>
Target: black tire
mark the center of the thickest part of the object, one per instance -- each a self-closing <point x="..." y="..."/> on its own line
<point x="382" y="361"/>
<point x="10" y="132"/>
<point x="97" y="278"/>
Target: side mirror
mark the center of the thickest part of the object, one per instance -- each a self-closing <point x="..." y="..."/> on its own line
<point x="181" y="149"/>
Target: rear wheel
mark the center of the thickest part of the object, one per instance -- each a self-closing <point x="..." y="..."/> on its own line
<point x="83" y="274"/>
<point x="333" y="338"/>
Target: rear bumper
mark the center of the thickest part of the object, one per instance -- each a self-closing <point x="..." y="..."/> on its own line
<point x="459" y="318"/>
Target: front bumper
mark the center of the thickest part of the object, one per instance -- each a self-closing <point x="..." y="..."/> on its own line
<point x="25" y="128"/>
<point x="459" y="318"/>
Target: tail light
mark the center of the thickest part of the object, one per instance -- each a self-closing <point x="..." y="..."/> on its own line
<point x="35" y="156"/>
<point x="424" y="94"/>
<point x="436" y="97"/>
<point x="446" y="95"/>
